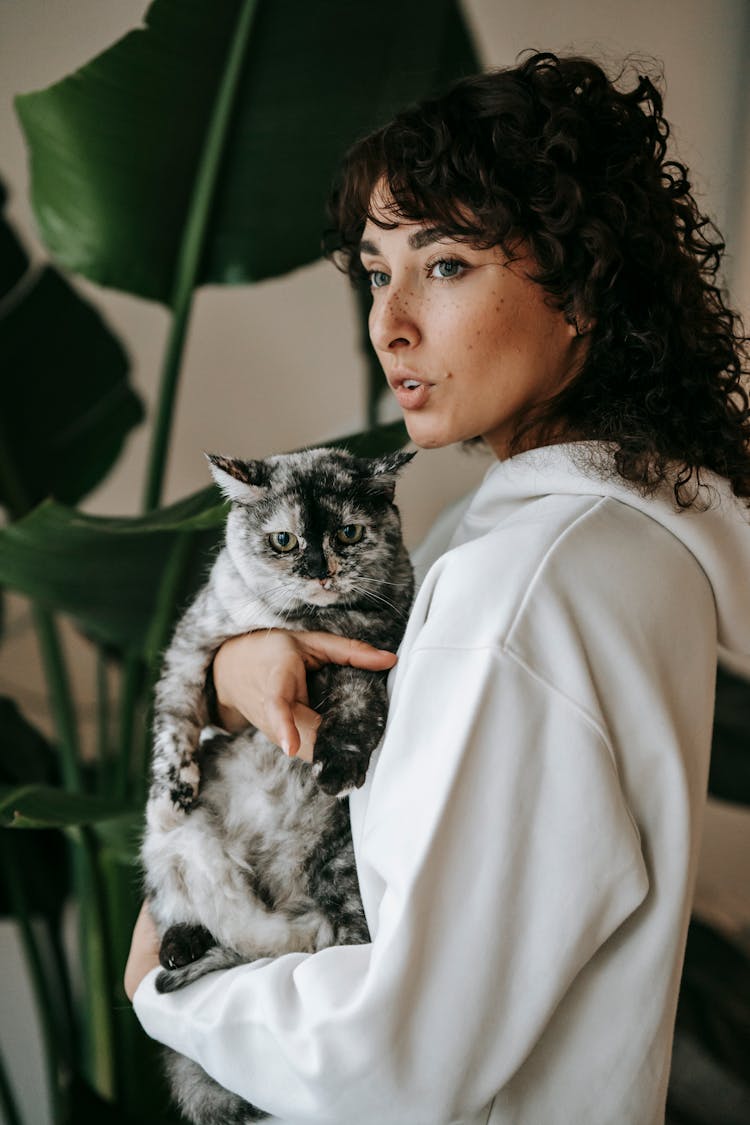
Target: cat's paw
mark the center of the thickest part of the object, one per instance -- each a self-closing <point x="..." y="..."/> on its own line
<point x="217" y="957"/>
<point x="337" y="773"/>
<point x="183" y="783"/>
<point x="184" y="943"/>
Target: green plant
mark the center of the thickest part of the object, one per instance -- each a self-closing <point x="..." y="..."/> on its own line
<point x="225" y="108"/>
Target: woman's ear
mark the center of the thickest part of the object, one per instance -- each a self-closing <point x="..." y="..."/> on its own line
<point x="581" y="324"/>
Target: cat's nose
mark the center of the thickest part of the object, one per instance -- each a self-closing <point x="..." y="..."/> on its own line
<point x="326" y="583"/>
<point x="315" y="564"/>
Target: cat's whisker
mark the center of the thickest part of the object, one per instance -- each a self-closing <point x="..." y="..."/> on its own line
<point x="373" y="595"/>
<point x="281" y="601"/>
<point x="385" y="582"/>
<point x="372" y="588"/>
<point x="278" y="599"/>
<point x="286" y="606"/>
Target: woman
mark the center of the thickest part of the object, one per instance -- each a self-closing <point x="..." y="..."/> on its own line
<point x="527" y="836"/>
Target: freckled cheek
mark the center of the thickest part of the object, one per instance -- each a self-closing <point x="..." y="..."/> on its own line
<point x="504" y="329"/>
<point x="481" y="345"/>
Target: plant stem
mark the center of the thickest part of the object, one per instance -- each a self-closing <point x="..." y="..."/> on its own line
<point x="64" y="716"/>
<point x="58" y="682"/>
<point x="60" y="963"/>
<point x="49" y="641"/>
<point x="98" y="1022"/>
<point x="130" y="687"/>
<point x="192" y="247"/>
<point x="103" y="733"/>
<point x="10" y="1109"/>
<point x="43" y="993"/>
<point x="10" y="482"/>
<point x="169" y="588"/>
<point x="61" y="697"/>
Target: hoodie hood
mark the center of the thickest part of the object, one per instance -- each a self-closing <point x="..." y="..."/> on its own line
<point x="718" y="538"/>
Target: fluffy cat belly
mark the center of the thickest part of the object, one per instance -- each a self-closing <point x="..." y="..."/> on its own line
<point x="259" y="812"/>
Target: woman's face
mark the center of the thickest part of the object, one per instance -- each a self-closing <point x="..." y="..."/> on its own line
<point x="466" y="340"/>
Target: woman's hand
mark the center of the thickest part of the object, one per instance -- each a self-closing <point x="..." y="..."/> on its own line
<point x="144" y="952"/>
<point x="261" y="678"/>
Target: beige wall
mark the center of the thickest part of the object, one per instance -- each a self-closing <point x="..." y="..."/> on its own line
<point x="276" y="366"/>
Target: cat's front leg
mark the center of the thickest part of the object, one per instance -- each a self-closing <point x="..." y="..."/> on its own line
<point x="175" y="777"/>
<point x="354" y="704"/>
<point x="181" y="711"/>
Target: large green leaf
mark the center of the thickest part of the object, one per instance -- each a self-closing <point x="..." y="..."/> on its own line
<point x="65" y="402"/>
<point x="117" y="148"/>
<point x="108" y="573"/>
<point x="39" y="857"/>
<point x="25" y="755"/>
<point x="45" y="806"/>
<point x="65" y="399"/>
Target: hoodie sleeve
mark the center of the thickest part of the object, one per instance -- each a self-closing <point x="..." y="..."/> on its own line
<point x="505" y="855"/>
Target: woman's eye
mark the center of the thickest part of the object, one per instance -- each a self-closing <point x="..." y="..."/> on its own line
<point x="378" y="278"/>
<point x="282" y="541"/>
<point x="350" y="533"/>
<point x="447" y="268"/>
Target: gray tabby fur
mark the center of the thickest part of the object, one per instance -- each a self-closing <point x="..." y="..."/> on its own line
<point x="248" y="853"/>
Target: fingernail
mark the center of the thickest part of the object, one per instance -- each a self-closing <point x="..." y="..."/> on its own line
<point x="285" y="746"/>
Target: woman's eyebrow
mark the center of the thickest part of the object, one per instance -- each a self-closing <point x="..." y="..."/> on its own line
<point x="422" y="238"/>
<point x="417" y="241"/>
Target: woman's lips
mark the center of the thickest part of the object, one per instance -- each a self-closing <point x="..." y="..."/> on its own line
<point x="410" y="393"/>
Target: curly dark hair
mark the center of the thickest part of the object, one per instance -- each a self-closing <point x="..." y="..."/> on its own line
<point x="552" y="155"/>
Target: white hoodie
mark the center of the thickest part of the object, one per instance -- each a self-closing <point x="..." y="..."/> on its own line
<point x="527" y="836"/>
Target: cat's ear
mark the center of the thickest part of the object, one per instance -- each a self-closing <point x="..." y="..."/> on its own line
<point x="384" y="470"/>
<point x="242" y="482"/>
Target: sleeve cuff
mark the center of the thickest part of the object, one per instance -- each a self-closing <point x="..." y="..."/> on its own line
<point x="145" y="990"/>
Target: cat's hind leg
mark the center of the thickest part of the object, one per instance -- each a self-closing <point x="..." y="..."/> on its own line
<point x="202" y="1100"/>
<point x="217" y="957"/>
<point x="184" y="943"/>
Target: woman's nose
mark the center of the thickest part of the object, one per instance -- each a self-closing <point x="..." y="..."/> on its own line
<point x="393" y="320"/>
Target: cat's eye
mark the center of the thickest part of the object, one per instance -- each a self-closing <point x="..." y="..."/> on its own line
<point x="350" y="533"/>
<point x="282" y="541"/>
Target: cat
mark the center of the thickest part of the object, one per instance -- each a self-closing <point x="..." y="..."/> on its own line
<point x="247" y="853"/>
